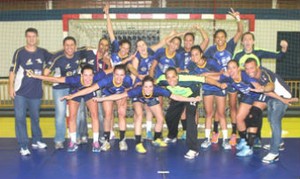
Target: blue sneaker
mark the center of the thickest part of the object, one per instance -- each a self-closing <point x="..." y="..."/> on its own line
<point x="183" y="136"/>
<point x="241" y="144"/>
<point x="149" y="135"/>
<point x="246" y="151"/>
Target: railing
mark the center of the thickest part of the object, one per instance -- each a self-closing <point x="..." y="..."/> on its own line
<point x="92" y="4"/>
<point x="47" y="101"/>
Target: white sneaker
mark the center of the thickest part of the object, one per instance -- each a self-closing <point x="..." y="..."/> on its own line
<point x="226" y="144"/>
<point x="169" y="140"/>
<point x="270" y="158"/>
<point x="123" y="145"/>
<point x="281" y="146"/>
<point x="24" y="152"/>
<point x="191" y="154"/>
<point x="205" y="144"/>
<point x="39" y="145"/>
<point x="105" y="146"/>
<point x="59" y="145"/>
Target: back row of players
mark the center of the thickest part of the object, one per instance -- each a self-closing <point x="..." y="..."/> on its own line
<point x="180" y="70"/>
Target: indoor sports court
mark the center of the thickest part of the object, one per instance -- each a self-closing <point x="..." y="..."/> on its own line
<point x="271" y="21"/>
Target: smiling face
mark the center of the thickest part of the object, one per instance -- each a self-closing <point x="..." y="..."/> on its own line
<point x="252" y="69"/>
<point x="188" y="42"/>
<point x="220" y="39"/>
<point x="69" y="48"/>
<point x="196" y="57"/>
<point x="174" y="45"/>
<point x="148" y="87"/>
<point x="31" y="39"/>
<point x="103" y="46"/>
<point x="172" y="78"/>
<point x="118" y="76"/>
<point x="233" y="68"/>
<point x="87" y="77"/>
<point x="124" y="49"/>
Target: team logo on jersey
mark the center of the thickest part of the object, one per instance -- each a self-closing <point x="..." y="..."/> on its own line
<point x="39" y="61"/>
<point x="68" y="66"/>
<point x="69" y="73"/>
<point x="144" y="69"/>
<point x="77" y="61"/>
<point x="29" y="62"/>
<point x="91" y="62"/>
<point x="167" y="60"/>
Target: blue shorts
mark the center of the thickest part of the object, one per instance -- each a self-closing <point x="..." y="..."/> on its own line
<point x="250" y="99"/>
<point x="231" y="89"/>
<point x="85" y="97"/>
<point x="214" y="93"/>
<point x="149" y="101"/>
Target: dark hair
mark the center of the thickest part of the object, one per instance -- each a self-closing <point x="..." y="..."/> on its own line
<point x="87" y="67"/>
<point x="171" y="69"/>
<point x="247" y="33"/>
<point x="140" y="40"/>
<point x="233" y="61"/>
<point x="120" y="67"/>
<point x="103" y="38"/>
<point x="197" y="47"/>
<point x="31" y="29"/>
<point x="121" y="42"/>
<point x="69" y="38"/>
<point x="147" y="78"/>
<point x="189" y="33"/>
<point x="178" y="39"/>
<point x="218" y="31"/>
<point x="249" y="60"/>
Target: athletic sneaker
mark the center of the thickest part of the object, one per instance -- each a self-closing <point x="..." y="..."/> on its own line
<point x="96" y="147"/>
<point x="206" y="143"/>
<point x="191" y="154"/>
<point x="281" y="146"/>
<point x="72" y="147"/>
<point x="257" y="143"/>
<point x="58" y="145"/>
<point x="149" y="135"/>
<point x="226" y="144"/>
<point x="215" y="138"/>
<point x="232" y="140"/>
<point x="39" y="145"/>
<point x="159" y="143"/>
<point x="105" y="146"/>
<point x="241" y="144"/>
<point x="123" y="145"/>
<point x="270" y="158"/>
<point x="83" y="140"/>
<point x="140" y="148"/>
<point x="246" y="151"/>
<point x="183" y="136"/>
<point x="169" y="140"/>
<point x="24" y="151"/>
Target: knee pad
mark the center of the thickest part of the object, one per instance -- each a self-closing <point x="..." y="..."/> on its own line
<point x="254" y="118"/>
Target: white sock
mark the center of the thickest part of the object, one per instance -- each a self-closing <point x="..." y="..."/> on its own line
<point x="148" y="126"/>
<point x="207" y="133"/>
<point x="73" y="137"/>
<point x="95" y="136"/>
<point x="225" y="134"/>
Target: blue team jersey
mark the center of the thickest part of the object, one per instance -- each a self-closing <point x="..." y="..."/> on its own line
<point x="144" y="62"/>
<point x="280" y="87"/>
<point x="91" y="58"/>
<point x="257" y="54"/>
<point x="108" y="87"/>
<point x="186" y="56"/>
<point x="115" y="58"/>
<point x="137" y="92"/>
<point x="222" y="57"/>
<point x="164" y="61"/>
<point x="210" y="66"/>
<point x="242" y="86"/>
<point x="63" y="66"/>
<point x="35" y="61"/>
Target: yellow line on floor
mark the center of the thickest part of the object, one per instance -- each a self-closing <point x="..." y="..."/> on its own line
<point x="290" y="128"/>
